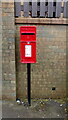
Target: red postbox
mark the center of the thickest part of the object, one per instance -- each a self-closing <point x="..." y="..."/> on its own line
<point x="28" y="44"/>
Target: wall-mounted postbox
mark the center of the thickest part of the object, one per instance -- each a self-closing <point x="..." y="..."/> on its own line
<point x="28" y="44"/>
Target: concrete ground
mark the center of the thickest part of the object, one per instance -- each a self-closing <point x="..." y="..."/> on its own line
<point x="46" y="108"/>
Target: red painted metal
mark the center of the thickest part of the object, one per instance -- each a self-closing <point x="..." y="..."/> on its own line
<point x="28" y="44"/>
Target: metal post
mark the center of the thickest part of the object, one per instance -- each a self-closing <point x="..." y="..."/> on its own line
<point x="29" y="83"/>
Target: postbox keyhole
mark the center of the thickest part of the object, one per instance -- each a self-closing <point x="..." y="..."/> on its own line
<point x="28" y="42"/>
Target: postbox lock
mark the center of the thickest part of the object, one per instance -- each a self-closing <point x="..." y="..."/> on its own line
<point x="28" y="42"/>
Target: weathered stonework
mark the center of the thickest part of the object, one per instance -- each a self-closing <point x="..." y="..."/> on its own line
<point x="8" y="51"/>
<point x="42" y="20"/>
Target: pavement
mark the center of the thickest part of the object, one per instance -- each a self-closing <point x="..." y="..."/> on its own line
<point x="46" y="108"/>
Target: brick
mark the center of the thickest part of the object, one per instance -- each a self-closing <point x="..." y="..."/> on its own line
<point x="8" y="10"/>
<point x="9" y="5"/>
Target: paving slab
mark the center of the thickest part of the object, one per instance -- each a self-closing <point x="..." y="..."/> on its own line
<point x="47" y="108"/>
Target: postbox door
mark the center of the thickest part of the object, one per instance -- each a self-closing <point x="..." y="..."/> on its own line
<point x="28" y="52"/>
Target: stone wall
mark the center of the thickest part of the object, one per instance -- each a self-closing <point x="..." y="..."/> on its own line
<point x="8" y="51"/>
<point x="50" y="70"/>
<point x="48" y="75"/>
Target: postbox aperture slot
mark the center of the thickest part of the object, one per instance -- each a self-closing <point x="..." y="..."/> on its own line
<point x="27" y="33"/>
